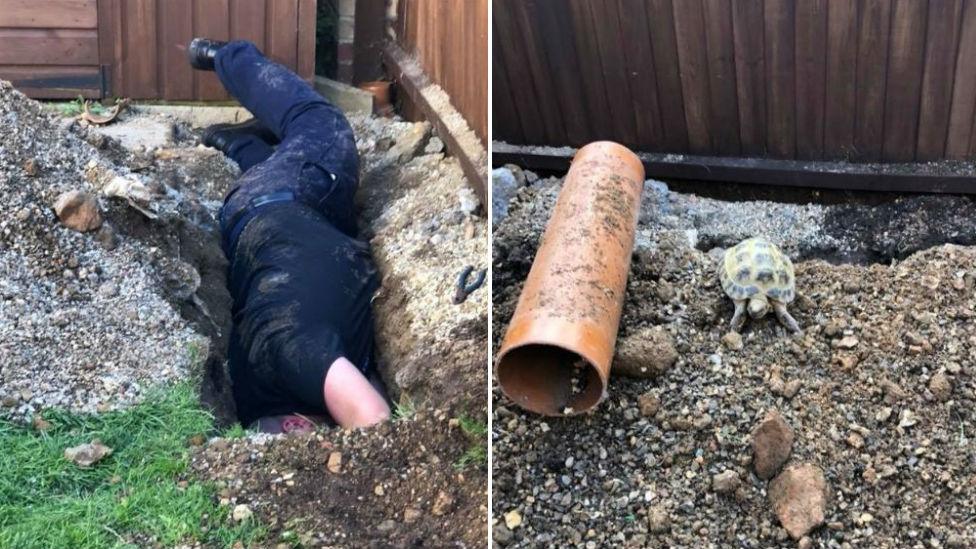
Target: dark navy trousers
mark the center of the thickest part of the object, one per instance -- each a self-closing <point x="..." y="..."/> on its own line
<point x="301" y="283"/>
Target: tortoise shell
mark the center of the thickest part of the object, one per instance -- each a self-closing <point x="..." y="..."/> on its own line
<point x="756" y="266"/>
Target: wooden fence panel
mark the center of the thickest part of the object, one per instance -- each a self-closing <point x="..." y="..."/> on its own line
<point x="137" y="48"/>
<point x="450" y="40"/>
<point x="860" y="80"/>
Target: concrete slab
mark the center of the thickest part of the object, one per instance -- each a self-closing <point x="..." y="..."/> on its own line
<point x="198" y="116"/>
<point x="351" y="100"/>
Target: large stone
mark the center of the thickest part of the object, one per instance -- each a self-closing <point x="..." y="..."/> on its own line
<point x="78" y="210"/>
<point x="799" y="498"/>
<point x="648" y="352"/>
<point x="772" y="442"/>
<point x="504" y="186"/>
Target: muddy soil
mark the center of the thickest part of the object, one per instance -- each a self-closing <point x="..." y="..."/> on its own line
<point x="884" y="371"/>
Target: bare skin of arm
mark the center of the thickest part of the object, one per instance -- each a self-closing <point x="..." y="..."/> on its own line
<point x="351" y="399"/>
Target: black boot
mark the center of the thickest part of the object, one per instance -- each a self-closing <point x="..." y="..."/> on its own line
<point x="201" y="53"/>
<point x="221" y="136"/>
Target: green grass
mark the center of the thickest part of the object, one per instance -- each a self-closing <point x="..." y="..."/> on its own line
<point x="48" y="502"/>
<point x="405" y="409"/>
<point x="477" y="452"/>
<point x="76" y="107"/>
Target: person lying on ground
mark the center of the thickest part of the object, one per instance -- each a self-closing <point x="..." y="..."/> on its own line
<point x="301" y="345"/>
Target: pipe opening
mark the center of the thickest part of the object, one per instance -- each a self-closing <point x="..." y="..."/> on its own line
<point x="550" y="380"/>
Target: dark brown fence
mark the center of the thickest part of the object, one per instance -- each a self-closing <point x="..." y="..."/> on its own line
<point x="868" y="80"/>
<point x="135" y="48"/>
<point x="450" y="39"/>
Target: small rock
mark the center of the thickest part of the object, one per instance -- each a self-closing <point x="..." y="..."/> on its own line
<point x="378" y="490"/>
<point x="86" y="455"/>
<point x="241" y="513"/>
<point x="513" y="519"/>
<point x="733" y="341"/>
<point x="386" y="526"/>
<point x="772" y="442"/>
<point x="893" y="393"/>
<point x="40" y="423"/>
<point x="648" y="352"/>
<point x="78" y="211"/>
<point x="907" y="418"/>
<point x="726" y="482"/>
<point x="503" y="188"/>
<point x="434" y="145"/>
<point x="443" y="504"/>
<point x="106" y="237"/>
<point x="517" y="173"/>
<point x="846" y="342"/>
<point x="791" y="388"/>
<point x="469" y="202"/>
<point x="501" y="535"/>
<point x="30" y="167"/>
<point x="855" y="440"/>
<point x="805" y="543"/>
<point x="799" y="498"/>
<point x="411" y="515"/>
<point x="649" y="404"/>
<point x="8" y="401"/>
<point x="335" y="462"/>
<point x="108" y="289"/>
<point x="658" y="520"/>
<point x="941" y="387"/>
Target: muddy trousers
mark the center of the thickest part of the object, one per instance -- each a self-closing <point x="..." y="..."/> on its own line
<point x="301" y="282"/>
<point x="315" y="163"/>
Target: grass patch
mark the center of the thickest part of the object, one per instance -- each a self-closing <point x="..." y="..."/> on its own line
<point x="405" y="409"/>
<point x="477" y="453"/>
<point x="128" y="498"/>
<point x="76" y="107"/>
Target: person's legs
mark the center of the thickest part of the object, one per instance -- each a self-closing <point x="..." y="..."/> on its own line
<point x="248" y="151"/>
<point x="314" y="134"/>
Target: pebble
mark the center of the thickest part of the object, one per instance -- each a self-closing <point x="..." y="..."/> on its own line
<point x="649" y="404"/>
<point x="513" y="519"/>
<point x="443" y="504"/>
<point x="726" y="482"/>
<point x="335" y="462"/>
<point x="733" y="341"/>
<point x="434" y="145"/>
<point x="241" y="512"/>
<point x="658" y="520"/>
<point x="799" y="498"/>
<point x="941" y="387"/>
<point x="386" y="526"/>
<point x="772" y="443"/>
<point x="411" y="515"/>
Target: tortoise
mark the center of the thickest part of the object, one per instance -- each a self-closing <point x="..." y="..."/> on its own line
<point x="758" y="276"/>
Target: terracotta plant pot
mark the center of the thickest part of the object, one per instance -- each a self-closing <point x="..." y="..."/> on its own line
<point x="381" y="96"/>
<point x="555" y="359"/>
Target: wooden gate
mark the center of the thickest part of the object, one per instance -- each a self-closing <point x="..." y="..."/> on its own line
<point x="135" y="48"/>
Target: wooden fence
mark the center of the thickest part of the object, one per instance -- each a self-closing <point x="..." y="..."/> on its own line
<point x="135" y="48"/>
<point x="866" y="80"/>
<point x="450" y="39"/>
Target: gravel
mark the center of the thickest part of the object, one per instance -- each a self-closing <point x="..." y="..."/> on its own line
<point x="64" y="341"/>
<point x="880" y="397"/>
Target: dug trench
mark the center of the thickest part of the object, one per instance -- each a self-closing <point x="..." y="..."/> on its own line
<point x="419" y="480"/>
<point x="878" y="391"/>
<point x="395" y="485"/>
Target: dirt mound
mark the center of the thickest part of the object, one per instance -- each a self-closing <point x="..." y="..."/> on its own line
<point x="394" y="486"/>
<point x="879" y="391"/>
<point x="81" y="327"/>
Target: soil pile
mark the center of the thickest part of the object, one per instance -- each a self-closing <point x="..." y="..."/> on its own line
<point x="83" y="324"/>
<point x="878" y="393"/>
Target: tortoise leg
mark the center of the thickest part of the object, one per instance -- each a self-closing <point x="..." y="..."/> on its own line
<point x="739" y="317"/>
<point x="784" y="317"/>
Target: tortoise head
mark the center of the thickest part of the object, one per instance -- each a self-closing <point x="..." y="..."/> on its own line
<point x="758" y="306"/>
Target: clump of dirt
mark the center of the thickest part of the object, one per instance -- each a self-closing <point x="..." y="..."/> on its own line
<point x="881" y="393"/>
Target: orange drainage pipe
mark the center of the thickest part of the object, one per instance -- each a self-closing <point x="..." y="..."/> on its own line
<point x="555" y="358"/>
